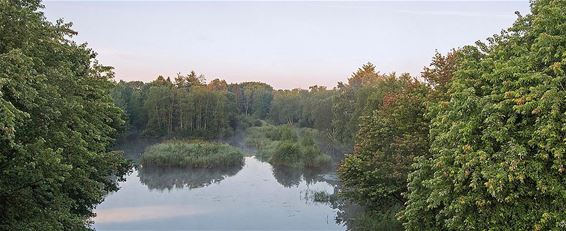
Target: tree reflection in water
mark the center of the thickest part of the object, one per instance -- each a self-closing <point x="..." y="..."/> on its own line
<point x="348" y="213"/>
<point x="292" y="177"/>
<point x="170" y="178"/>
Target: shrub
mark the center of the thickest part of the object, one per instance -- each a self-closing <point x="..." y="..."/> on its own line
<point x="287" y="154"/>
<point x="285" y="145"/>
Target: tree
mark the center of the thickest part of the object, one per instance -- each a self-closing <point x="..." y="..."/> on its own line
<point x="57" y="122"/>
<point x="388" y="139"/>
<point x="252" y="98"/>
<point x="498" y="144"/>
<point x="287" y="106"/>
<point x="183" y="108"/>
<point x="352" y="102"/>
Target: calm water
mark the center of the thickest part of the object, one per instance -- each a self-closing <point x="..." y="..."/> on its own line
<point x="253" y="196"/>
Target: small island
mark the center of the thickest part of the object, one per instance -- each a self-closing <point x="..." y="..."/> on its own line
<point x="287" y="146"/>
<point x="192" y="154"/>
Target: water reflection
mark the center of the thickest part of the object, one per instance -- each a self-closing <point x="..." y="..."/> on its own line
<point x="254" y="197"/>
<point x="292" y="177"/>
<point x="169" y="178"/>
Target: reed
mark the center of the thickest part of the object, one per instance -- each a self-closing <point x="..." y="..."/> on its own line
<point x="192" y="154"/>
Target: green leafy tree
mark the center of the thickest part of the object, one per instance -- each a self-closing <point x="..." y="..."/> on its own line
<point x="352" y="102"/>
<point x="375" y="174"/>
<point x="252" y="98"/>
<point x="57" y="121"/>
<point x="498" y="144"/>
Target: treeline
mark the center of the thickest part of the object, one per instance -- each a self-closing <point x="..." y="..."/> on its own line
<point x="187" y="106"/>
<point x="57" y="123"/>
<point x="480" y="145"/>
<point x="190" y="107"/>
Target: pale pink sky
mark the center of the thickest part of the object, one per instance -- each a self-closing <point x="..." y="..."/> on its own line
<point x="285" y="44"/>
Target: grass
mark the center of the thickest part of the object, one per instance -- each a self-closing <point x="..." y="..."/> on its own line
<point x="284" y="145"/>
<point x="195" y="154"/>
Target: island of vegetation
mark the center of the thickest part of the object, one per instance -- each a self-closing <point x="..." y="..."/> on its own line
<point x="193" y="154"/>
<point x="287" y="146"/>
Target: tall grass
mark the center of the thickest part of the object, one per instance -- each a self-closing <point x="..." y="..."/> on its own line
<point x="284" y="145"/>
<point x="192" y="154"/>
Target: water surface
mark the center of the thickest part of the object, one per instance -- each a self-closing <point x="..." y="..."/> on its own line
<point x="254" y="196"/>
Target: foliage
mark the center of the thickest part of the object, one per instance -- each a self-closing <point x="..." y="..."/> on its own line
<point x="287" y="146"/>
<point x="498" y="143"/>
<point x="287" y="154"/>
<point x="57" y="122"/>
<point x="306" y="108"/>
<point x="252" y="98"/>
<point x="352" y="101"/>
<point x="388" y="140"/>
<point x="375" y="220"/>
<point x="194" y="154"/>
<point x="189" y="107"/>
<point x="186" y="107"/>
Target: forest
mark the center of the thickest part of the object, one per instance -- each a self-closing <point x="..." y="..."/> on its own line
<point x="476" y="142"/>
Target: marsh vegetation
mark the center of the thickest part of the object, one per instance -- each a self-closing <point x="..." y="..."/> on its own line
<point x="287" y="146"/>
<point x="193" y="154"/>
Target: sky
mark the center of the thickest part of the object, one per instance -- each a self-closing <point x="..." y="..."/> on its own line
<point x="285" y="44"/>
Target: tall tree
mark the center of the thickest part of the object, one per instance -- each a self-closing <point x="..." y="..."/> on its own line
<point x="352" y="102"/>
<point x="57" y="121"/>
<point x="498" y="144"/>
<point x="388" y="139"/>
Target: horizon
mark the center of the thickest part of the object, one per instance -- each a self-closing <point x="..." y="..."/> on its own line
<point x="322" y="44"/>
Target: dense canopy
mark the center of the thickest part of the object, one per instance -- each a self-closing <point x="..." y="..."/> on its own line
<point x="57" y="121"/>
<point x="498" y="144"/>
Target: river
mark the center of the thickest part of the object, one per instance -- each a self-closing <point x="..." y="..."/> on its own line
<point x="255" y="196"/>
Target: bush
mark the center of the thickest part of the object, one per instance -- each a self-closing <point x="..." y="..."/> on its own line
<point x="192" y="154"/>
<point x="285" y="145"/>
<point x="287" y="154"/>
<point x="314" y="158"/>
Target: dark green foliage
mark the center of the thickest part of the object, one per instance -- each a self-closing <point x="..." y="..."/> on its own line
<point x="375" y="174"/>
<point x="57" y="121"/>
<point x="312" y="108"/>
<point x="191" y="154"/>
<point x="376" y="220"/>
<point x="498" y="143"/>
<point x="130" y="97"/>
<point x="186" y="107"/>
<point x="252" y="98"/>
<point x="287" y="106"/>
<point x="353" y="101"/>
<point x="287" y="153"/>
